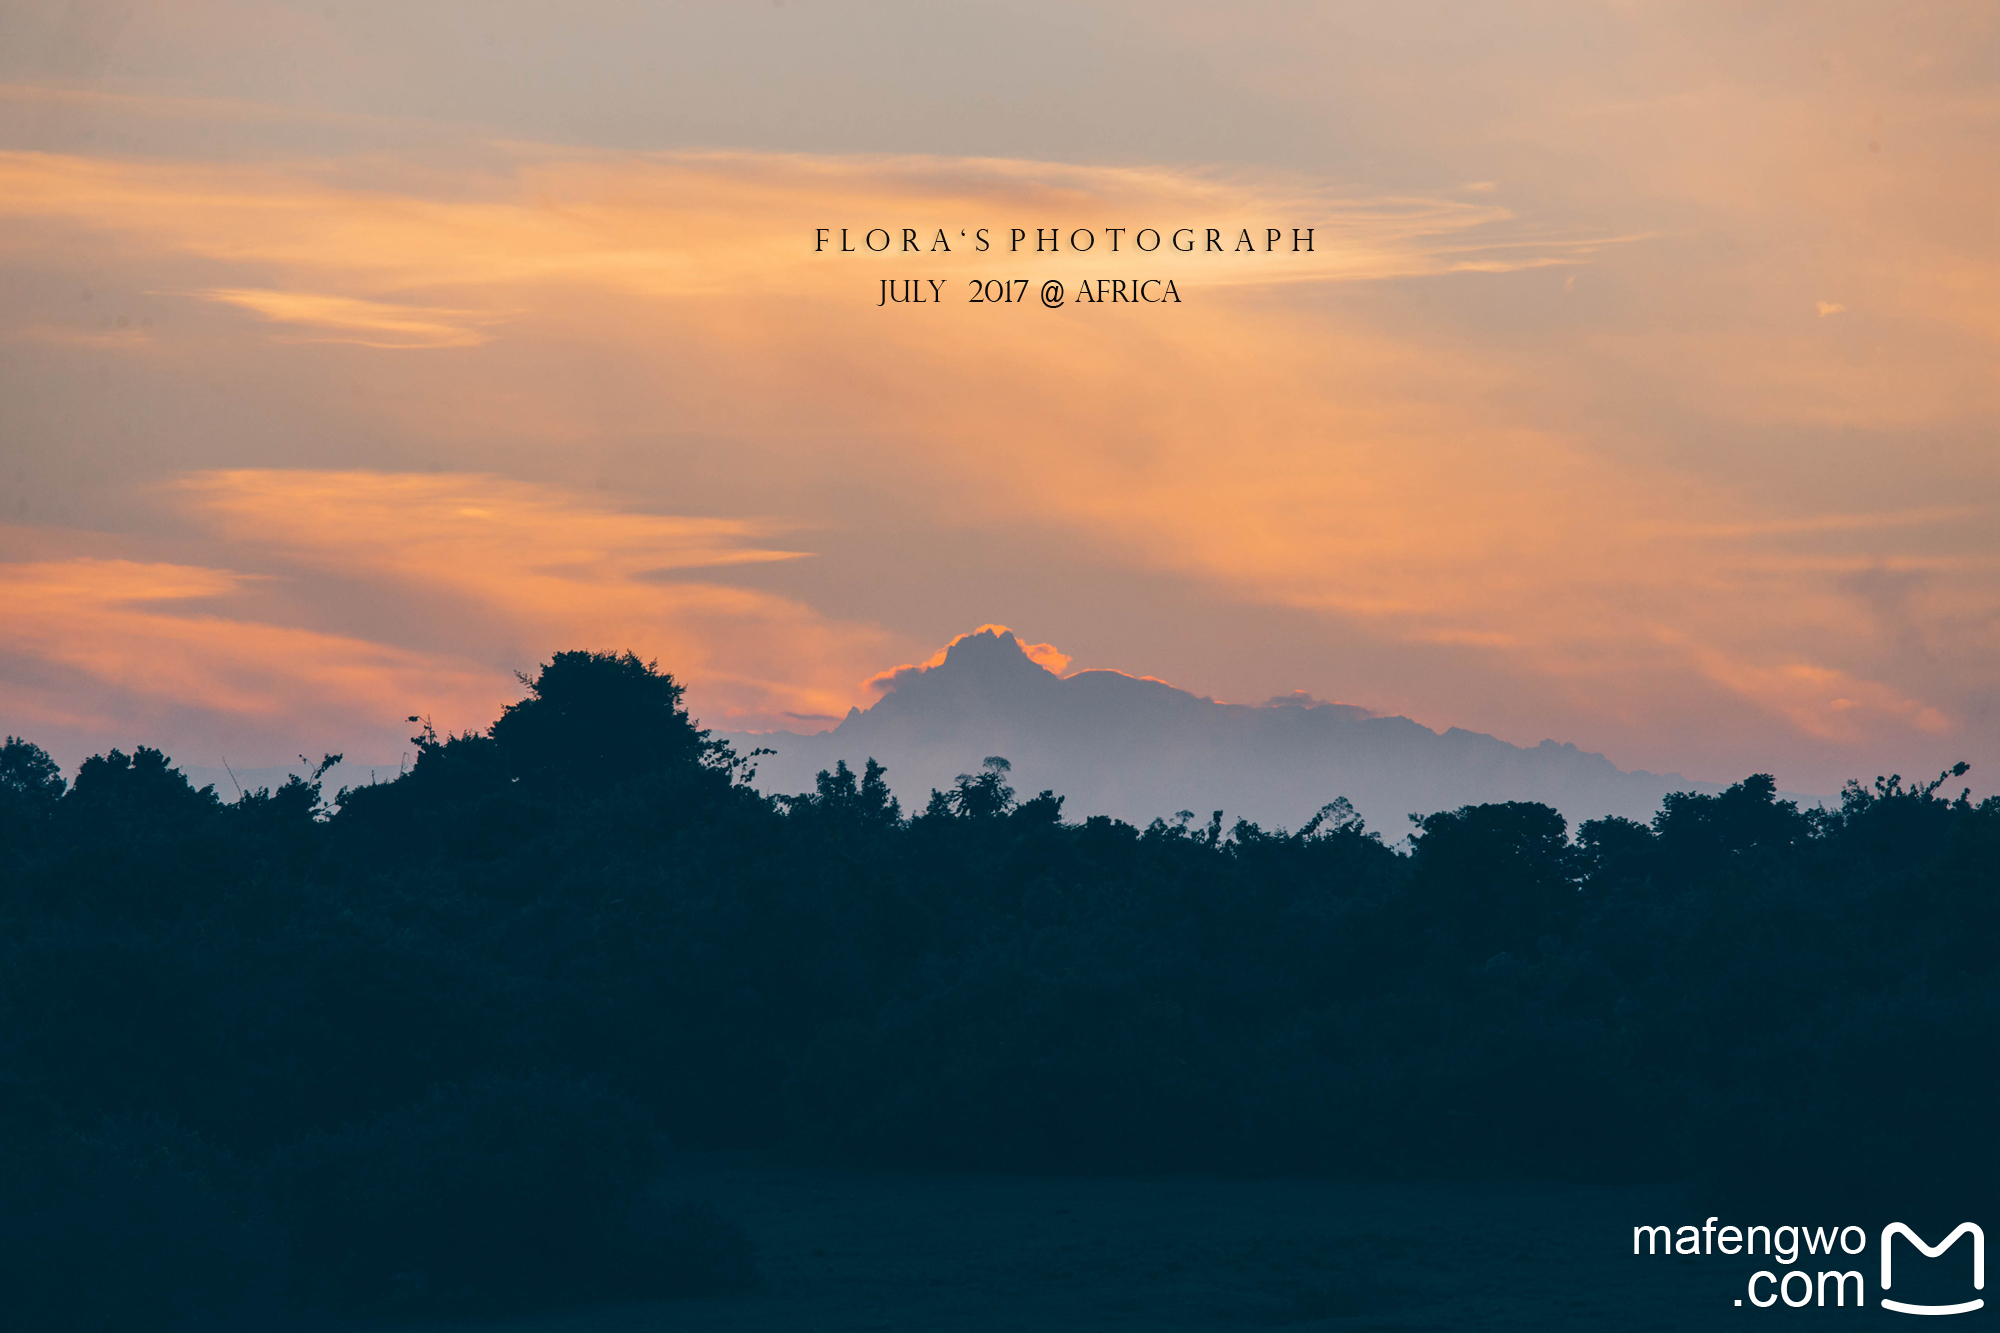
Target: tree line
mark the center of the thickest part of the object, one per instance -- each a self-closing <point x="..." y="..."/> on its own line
<point x="431" y="1044"/>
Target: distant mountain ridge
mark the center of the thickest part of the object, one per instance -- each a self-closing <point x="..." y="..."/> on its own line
<point x="1138" y="748"/>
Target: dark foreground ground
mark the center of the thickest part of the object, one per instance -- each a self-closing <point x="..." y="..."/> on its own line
<point x="866" y="1250"/>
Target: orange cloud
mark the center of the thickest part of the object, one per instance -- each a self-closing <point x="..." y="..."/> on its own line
<point x="366" y="323"/>
<point x="1821" y="701"/>
<point x="508" y="572"/>
<point x="553" y="570"/>
<point x="703" y="223"/>
<point x="150" y="631"/>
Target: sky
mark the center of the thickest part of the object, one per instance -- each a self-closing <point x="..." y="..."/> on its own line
<point x="1639" y="390"/>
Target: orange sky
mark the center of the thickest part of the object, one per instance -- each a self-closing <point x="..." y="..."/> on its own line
<point x="1639" y="390"/>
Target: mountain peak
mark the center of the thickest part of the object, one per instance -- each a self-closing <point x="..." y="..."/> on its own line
<point x="1135" y="746"/>
<point x="987" y="648"/>
<point x="986" y="656"/>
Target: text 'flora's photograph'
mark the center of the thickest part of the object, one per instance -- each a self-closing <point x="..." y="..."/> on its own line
<point x="1103" y="666"/>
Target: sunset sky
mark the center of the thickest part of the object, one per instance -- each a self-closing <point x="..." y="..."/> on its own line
<point x="1641" y="390"/>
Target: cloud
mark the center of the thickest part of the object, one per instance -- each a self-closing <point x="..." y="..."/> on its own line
<point x="693" y="223"/>
<point x="1045" y="655"/>
<point x="509" y="543"/>
<point x="543" y="568"/>
<point x="150" y="635"/>
<point x="1821" y="701"/>
<point x="500" y="574"/>
<point x="366" y="323"/>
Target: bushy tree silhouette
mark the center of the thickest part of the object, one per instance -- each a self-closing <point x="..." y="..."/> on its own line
<point x="30" y="785"/>
<point x="1702" y="834"/>
<point x="28" y="774"/>
<point x="596" y="719"/>
<point x="143" y="786"/>
<point x="1497" y="876"/>
<point x="1615" y="851"/>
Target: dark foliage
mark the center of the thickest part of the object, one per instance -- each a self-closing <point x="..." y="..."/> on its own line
<point x="129" y="1224"/>
<point x="597" y="719"/>
<point x="509" y="1192"/>
<point x="418" y="1046"/>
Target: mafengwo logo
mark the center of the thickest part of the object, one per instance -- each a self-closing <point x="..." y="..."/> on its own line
<point x="1895" y="1229"/>
<point x="1822" y="1281"/>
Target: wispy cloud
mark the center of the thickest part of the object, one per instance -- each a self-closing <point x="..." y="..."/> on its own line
<point x="707" y="222"/>
<point x="504" y="573"/>
<point x="547" y="568"/>
<point x="348" y="319"/>
<point x="146" y="636"/>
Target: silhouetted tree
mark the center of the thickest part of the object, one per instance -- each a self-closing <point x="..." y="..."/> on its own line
<point x="981" y="795"/>
<point x="838" y="796"/>
<point x="1496" y="877"/>
<point x="1615" y="850"/>
<point x="30" y="785"/>
<point x="28" y="774"/>
<point x="294" y="803"/>
<point x="595" y="719"/>
<point x="1703" y="835"/>
<point x="142" y="785"/>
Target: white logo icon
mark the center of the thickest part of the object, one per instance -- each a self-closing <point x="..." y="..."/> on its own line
<point x="1895" y="1229"/>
